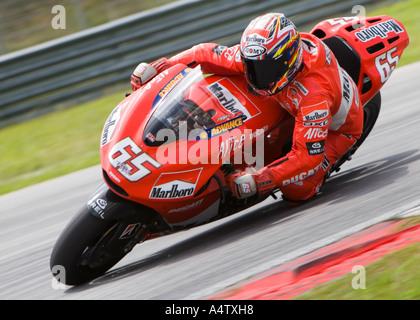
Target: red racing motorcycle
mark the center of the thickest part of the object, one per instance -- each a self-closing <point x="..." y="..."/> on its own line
<point x="167" y="147"/>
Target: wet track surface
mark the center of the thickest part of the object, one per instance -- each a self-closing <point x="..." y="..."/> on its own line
<point x="381" y="181"/>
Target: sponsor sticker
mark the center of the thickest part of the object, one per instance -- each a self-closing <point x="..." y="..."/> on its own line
<point x="97" y="206"/>
<point x="246" y="188"/>
<point x="316" y="112"/>
<point x="130" y="231"/>
<point x="224" y="127"/>
<point x="302" y="176"/>
<point x="170" y="85"/>
<point x="315" y="148"/>
<point x="219" y="49"/>
<point x="301" y="87"/>
<point x="322" y="123"/>
<point x="379" y="30"/>
<point x="110" y="125"/>
<point x="187" y="207"/>
<point x="175" y="185"/>
<point x="316" y="115"/>
<point x="255" y="37"/>
<point x="316" y="133"/>
<point x="294" y="96"/>
<point x="341" y="21"/>
<point x="230" y="102"/>
<point x="253" y="51"/>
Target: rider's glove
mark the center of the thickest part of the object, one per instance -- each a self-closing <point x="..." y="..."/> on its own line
<point x="244" y="184"/>
<point x="145" y="72"/>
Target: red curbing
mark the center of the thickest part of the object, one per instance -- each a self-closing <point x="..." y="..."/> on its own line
<point x="323" y="265"/>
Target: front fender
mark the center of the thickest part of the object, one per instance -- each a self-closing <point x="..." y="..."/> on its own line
<point x="105" y="204"/>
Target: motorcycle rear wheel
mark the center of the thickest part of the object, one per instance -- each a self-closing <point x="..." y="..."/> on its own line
<point x="370" y="115"/>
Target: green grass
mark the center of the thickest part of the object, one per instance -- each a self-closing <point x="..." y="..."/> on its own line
<point x="27" y="23"/>
<point x="53" y="145"/>
<point x="408" y="13"/>
<point x="68" y="140"/>
<point x="396" y="276"/>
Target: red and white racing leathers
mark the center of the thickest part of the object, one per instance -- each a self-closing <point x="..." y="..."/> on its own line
<point x="323" y="100"/>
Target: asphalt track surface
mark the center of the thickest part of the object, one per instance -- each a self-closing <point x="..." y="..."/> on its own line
<point x="381" y="181"/>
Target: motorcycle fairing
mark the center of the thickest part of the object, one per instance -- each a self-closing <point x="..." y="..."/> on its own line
<point x="134" y="164"/>
<point x="368" y="48"/>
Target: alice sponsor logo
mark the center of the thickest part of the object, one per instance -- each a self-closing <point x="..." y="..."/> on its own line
<point x="233" y="145"/>
<point x="316" y="133"/>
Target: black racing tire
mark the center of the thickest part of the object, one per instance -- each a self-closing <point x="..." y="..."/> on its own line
<point x="370" y="115"/>
<point x="84" y="232"/>
<point x="371" y="112"/>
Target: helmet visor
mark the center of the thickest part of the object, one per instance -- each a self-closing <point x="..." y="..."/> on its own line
<point x="262" y="73"/>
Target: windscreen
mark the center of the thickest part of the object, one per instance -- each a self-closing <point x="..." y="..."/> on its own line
<point x="186" y="110"/>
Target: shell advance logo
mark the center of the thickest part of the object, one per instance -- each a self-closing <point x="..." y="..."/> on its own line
<point x="170" y="85"/>
<point x="225" y="127"/>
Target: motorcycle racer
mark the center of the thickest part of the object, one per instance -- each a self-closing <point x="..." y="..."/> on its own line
<point x="307" y="81"/>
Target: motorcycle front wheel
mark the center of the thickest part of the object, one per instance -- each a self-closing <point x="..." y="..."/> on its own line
<point x="89" y="246"/>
